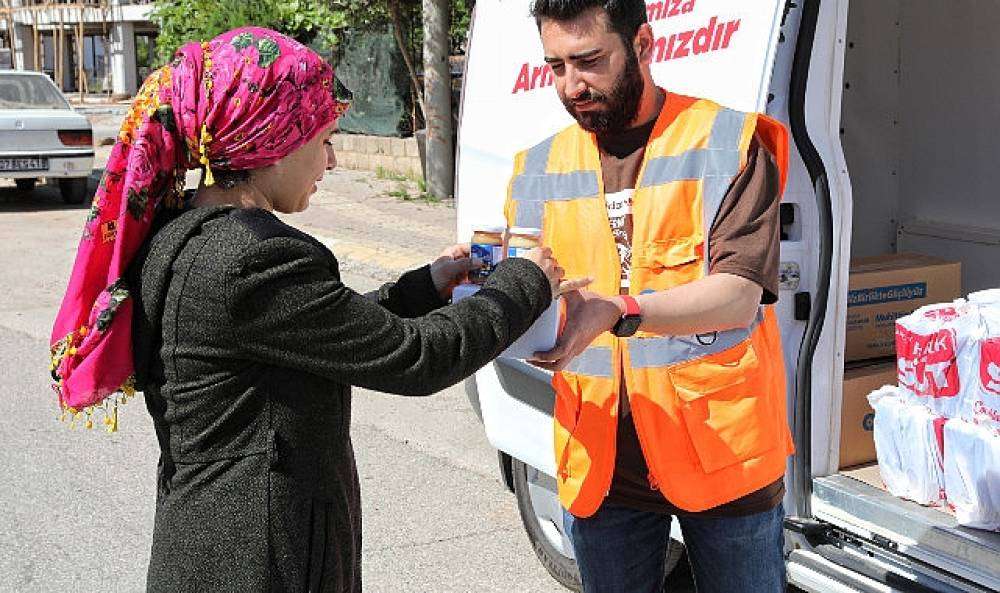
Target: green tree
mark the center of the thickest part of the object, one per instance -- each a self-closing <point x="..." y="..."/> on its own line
<point x="314" y="22"/>
<point x="461" y="20"/>
<point x="318" y="23"/>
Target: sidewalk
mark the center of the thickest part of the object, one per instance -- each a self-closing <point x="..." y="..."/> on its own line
<point x="372" y="233"/>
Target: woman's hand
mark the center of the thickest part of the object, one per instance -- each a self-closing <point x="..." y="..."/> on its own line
<point x="452" y="268"/>
<point x="542" y="256"/>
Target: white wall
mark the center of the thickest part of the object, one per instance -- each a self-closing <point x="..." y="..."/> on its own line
<point x="24" y="48"/>
<point x="950" y="106"/>
<point x="870" y="131"/>
<point x="921" y="130"/>
<point x="123" y="74"/>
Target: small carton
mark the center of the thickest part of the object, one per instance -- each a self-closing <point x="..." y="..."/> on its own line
<point x="857" y="444"/>
<point x="886" y="287"/>
<point x="540" y="337"/>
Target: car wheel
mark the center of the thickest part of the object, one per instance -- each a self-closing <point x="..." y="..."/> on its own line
<point x="74" y="191"/>
<point x="25" y="184"/>
<point x="541" y="514"/>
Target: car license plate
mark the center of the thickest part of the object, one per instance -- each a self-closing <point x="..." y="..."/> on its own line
<point x="24" y="164"/>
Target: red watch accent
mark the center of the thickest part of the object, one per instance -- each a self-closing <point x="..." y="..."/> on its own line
<point x="631" y="305"/>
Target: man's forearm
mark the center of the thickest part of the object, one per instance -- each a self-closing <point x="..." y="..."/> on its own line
<point x="715" y="303"/>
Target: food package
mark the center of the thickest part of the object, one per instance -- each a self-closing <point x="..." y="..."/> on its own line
<point x="909" y="445"/>
<point x="982" y="403"/>
<point x="937" y="355"/>
<point x="540" y="337"/>
<point x="972" y="473"/>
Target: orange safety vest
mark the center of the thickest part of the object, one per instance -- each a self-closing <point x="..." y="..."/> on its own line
<point x="709" y="410"/>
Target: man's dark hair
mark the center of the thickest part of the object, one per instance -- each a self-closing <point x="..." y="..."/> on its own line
<point x="624" y="16"/>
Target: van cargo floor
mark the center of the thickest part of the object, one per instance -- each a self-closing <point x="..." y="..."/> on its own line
<point x="855" y="500"/>
<point x="870" y="475"/>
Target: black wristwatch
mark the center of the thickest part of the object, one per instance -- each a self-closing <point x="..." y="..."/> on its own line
<point x="630" y="320"/>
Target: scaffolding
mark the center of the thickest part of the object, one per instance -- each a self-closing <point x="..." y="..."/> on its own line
<point x="61" y="20"/>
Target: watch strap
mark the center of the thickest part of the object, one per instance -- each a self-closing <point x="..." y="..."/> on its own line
<point x="631" y="306"/>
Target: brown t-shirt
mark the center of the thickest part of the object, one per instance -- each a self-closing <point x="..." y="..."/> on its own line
<point x="744" y="240"/>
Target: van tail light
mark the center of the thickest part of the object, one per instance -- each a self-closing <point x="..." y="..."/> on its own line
<point x="76" y="137"/>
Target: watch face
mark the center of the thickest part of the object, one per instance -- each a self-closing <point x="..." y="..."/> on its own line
<point x="627" y="326"/>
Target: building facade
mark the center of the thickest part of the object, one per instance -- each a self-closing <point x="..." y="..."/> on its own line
<point x="86" y="46"/>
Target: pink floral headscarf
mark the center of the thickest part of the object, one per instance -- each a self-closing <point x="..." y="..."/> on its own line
<point x="244" y="100"/>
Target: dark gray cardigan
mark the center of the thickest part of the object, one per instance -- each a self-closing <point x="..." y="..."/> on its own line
<point x="246" y="345"/>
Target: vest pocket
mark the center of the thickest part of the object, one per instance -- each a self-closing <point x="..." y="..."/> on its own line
<point x="665" y="263"/>
<point x="726" y="407"/>
<point x="664" y="253"/>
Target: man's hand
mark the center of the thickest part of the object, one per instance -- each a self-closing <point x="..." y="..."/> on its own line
<point x="568" y="286"/>
<point x="588" y="315"/>
<point x="452" y="268"/>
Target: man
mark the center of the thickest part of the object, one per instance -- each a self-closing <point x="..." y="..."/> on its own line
<point x="670" y="385"/>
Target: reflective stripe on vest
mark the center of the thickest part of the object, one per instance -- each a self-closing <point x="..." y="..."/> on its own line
<point x="532" y="188"/>
<point x="595" y="361"/>
<point x="670" y="350"/>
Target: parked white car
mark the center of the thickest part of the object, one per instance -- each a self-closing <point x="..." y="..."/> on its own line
<point x="41" y="136"/>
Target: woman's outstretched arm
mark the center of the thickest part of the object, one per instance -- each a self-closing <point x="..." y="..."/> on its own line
<point x="289" y="308"/>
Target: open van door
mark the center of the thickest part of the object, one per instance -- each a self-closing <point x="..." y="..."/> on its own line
<point x="892" y="106"/>
<point x="723" y="50"/>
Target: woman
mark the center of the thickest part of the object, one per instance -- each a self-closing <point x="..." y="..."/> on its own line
<point x="238" y="328"/>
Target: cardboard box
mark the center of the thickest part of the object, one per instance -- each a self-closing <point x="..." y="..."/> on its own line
<point x="886" y="287"/>
<point x="857" y="418"/>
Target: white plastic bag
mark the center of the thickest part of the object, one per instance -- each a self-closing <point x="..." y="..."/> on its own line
<point x="937" y="355"/>
<point x="983" y="400"/>
<point x="908" y="444"/>
<point x="972" y="473"/>
<point x="985" y="297"/>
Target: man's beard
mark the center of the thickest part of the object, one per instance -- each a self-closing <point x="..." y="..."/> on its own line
<point x="620" y="106"/>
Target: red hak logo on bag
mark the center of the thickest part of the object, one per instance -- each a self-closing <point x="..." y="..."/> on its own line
<point x="927" y="364"/>
<point x="989" y="365"/>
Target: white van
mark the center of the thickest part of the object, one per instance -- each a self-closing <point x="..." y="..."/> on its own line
<point x="894" y="113"/>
